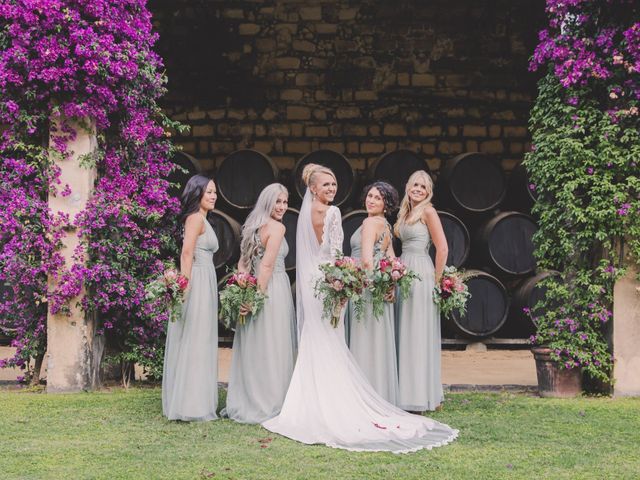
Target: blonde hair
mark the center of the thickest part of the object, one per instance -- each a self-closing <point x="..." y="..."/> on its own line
<point x="408" y="214"/>
<point x="310" y="171"/>
<point x="259" y="216"/>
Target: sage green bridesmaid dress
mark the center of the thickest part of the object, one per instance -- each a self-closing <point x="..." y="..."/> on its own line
<point x="190" y="377"/>
<point x="418" y="327"/>
<point x="371" y="339"/>
<point x="263" y="351"/>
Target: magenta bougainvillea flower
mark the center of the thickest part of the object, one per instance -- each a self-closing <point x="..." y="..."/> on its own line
<point x="83" y="59"/>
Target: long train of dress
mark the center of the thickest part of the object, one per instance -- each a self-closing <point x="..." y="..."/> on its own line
<point x="329" y="400"/>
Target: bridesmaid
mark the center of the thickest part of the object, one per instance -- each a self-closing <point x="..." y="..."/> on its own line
<point x="418" y="318"/>
<point x="371" y="339"/>
<point x="190" y="380"/>
<point x="263" y="348"/>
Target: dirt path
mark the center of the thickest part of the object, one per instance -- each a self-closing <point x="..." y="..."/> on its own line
<point x="493" y="367"/>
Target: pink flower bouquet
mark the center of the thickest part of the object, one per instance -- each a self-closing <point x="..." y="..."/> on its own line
<point x="452" y="292"/>
<point x="342" y="280"/>
<point x="389" y="274"/>
<point x="240" y="292"/>
<point x="170" y="288"/>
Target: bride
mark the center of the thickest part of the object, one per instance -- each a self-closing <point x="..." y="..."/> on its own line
<point x="329" y="400"/>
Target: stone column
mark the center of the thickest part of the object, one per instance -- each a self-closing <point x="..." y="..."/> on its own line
<point x="626" y="334"/>
<point x="73" y="356"/>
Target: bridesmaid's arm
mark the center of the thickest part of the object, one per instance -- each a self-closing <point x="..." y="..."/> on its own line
<point x="370" y="230"/>
<point x="193" y="228"/>
<point x="432" y="220"/>
<point x="275" y="232"/>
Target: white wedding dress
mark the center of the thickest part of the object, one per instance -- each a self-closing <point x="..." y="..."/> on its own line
<point x="329" y="400"/>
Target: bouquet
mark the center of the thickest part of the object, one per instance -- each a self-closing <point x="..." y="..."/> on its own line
<point x="168" y="288"/>
<point x="241" y="291"/>
<point x="389" y="273"/>
<point x="452" y="293"/>
<point x="342" y="280"/>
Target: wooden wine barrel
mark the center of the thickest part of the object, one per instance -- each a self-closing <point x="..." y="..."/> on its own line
<point x="340" y="167"/>
<point x="521" y="193"/>
<point x="396" y="167"/>
<point x="350" y="223"/>
<point x="504" y="243"/>
<point x="188" y="166"/>
<point x="458" y="239"/>
<point x="290" y="221"/>
<point x="228" y="232"/>
<point x="526" y="295"/>
<point x="470" y="183"/>
<point x="487" y="308"/>
<point x="241" y="177"/>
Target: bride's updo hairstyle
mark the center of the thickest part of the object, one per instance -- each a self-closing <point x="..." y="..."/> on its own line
<point x="311" y="170"/>
<point x="410" y="215"/>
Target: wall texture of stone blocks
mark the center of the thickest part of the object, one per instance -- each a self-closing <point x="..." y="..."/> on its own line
<point x="286" y="76"/>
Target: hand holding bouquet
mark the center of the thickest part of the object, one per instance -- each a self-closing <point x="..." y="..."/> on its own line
<point x="239" y="298"/>
<point x="342" y="280"/>
<point x="452" y="293"/>
<point x="389" y="274"/>
<point x="169" y="288"/>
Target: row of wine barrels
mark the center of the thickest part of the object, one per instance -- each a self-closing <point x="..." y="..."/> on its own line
<point x="243" y="174"/>
<point x="228" y="231"/>
<point x="469" y="184"/>
<point x="504" y="241"/>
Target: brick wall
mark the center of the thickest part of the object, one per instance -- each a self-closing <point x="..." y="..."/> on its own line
<point x="363" y="78"/>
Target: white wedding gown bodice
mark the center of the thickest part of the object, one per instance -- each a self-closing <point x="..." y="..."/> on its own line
<point x="332" y="235"/>
<point x="329" y="400"/>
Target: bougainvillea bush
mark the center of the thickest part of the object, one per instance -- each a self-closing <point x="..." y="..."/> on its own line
<point x="83" y="62"/>
<point x="584" y="166"/>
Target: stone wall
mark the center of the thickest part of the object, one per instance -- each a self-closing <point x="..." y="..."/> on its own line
<point x="286" y="77"/>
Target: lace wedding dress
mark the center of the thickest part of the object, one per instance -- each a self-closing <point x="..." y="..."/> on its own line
<point x="329" y="400"/>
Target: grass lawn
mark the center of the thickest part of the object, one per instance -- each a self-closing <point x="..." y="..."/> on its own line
<point x="122" y="434"/>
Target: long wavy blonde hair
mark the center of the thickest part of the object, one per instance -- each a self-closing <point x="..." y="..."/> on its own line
<point x="259" y="216"/>
<point x="408" y="214"/>
<point x="310" y="171"/>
